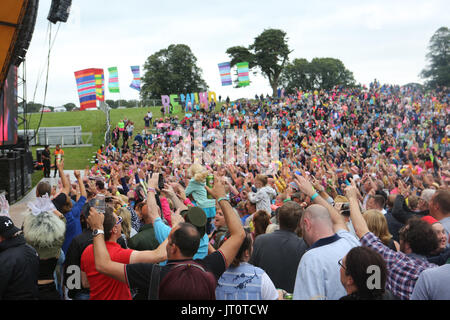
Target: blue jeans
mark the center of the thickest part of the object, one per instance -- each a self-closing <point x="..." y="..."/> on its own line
<point x="59" y="264"/>
<point x="82" y="296"/>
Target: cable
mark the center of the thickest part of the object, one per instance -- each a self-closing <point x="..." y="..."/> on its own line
<point x="50" y="46"/>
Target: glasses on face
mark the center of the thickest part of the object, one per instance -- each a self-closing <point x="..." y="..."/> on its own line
<point x="119" y="220"/>
<point x="341" y="263"/>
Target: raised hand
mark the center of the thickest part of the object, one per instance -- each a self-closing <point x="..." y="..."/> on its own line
<point x="153" y="181"/>
<point x="95" y="219"/>
<point x="305" y="186"/>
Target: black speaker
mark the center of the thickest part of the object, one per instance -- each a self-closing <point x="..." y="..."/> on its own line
<point x="19" y="183"/>
<point x="18" y="169"/>
<point x="26" y="166"/>
<point x="39" y="155"/>
<point x="25" y="34"/>
<point x="7" y="178"/>
<point x="59" y="11"/>
<point x="29" y="162"/>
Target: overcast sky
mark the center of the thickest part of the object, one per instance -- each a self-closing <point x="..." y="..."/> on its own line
<point x="381" y="39"/>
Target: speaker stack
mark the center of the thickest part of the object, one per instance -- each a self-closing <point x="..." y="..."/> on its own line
<point x="7" y="178"/>
<point x="26" y="169"/>
<point x="15" y="155"/>
<point x="15" y="174"/>
<point x="26" y="30"/>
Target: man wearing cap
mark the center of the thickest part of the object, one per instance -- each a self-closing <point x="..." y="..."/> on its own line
<point x="19" y="264"/>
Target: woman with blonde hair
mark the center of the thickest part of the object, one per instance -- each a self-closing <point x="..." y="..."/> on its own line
<point x="377" y="224"/>
<point x="44" y="229"/>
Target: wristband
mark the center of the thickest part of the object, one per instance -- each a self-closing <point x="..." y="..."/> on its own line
<point x="151" y="190"/>
<point x="315" y="195"/>
<point x="286" y="200"/>
<point x="223" y="198"/>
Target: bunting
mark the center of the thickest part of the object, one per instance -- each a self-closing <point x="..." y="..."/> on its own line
<point x="225" y="73"/>
<point x="242" y="69"/>
<point x="136" y="83"/>
<point x="113" y="80"/>
<point x="86" y="88"/>
<point x="100" y="84"/>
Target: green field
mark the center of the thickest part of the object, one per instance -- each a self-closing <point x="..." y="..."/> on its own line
<point x="91" y="121"/>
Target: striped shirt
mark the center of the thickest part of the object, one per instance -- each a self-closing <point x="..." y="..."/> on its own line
<point x="403" y="270"/>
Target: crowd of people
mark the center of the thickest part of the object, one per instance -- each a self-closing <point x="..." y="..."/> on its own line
<point x="357" y="207"/>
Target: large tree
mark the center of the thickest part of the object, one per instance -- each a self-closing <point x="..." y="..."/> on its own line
<point x="269" y="52"/>
<point x="320" y="73"/>
<point x="171" y="71"/>
<point x="438" y="70"/>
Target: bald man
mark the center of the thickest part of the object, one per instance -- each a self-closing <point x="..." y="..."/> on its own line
<point x="329" y="240"/>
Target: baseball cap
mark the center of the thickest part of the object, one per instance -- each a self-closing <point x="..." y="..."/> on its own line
<point x="197" y="217"/>
<point x="429" y="219"/>
<point x="7" y="227"/>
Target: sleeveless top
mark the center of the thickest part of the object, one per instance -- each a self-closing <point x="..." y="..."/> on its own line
<point x="240" y="283"/>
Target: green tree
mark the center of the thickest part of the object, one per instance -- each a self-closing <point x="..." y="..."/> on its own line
<point x="320" y="73"/>
<point x="70" y="106"/>
<point x="171" y="71"/>
<point x="112" y="104"/>
<point x="297" y="75"/>
<point x="269" y="52"/>
<point x="438" y="70"/>
<point x="33" y="107"/>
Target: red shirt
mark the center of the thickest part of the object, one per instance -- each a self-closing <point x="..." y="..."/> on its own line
<point x="103" y="287"/>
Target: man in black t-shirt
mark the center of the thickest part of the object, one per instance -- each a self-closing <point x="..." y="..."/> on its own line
<point x="183" y="242"/>
<point x="46" y="160"/>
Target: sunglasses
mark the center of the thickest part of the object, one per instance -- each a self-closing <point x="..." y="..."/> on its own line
<point x="341" y="264"/>
<point x="119" y="221"/>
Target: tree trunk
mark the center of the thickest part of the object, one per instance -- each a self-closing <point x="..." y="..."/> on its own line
<point x="274" y="90"/>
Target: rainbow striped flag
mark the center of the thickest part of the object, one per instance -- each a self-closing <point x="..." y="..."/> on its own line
<point x="242" y="69"/>
<point x="86" y="88"/>
<point x="136" y="83"/>
<point x="113" y="84"/>
<point x="100" y="84"/>
<point x="225" y="73"/>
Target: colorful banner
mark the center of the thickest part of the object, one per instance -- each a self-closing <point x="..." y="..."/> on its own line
<point x="86" y="88"/>
<point x="136" y="83"/>
<point x="100" y="84"/>
<point x="113" y="84"/>
<point x="225" y="73"/>
<point x="202" y="98"/>
<point x="242" y="69"/>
